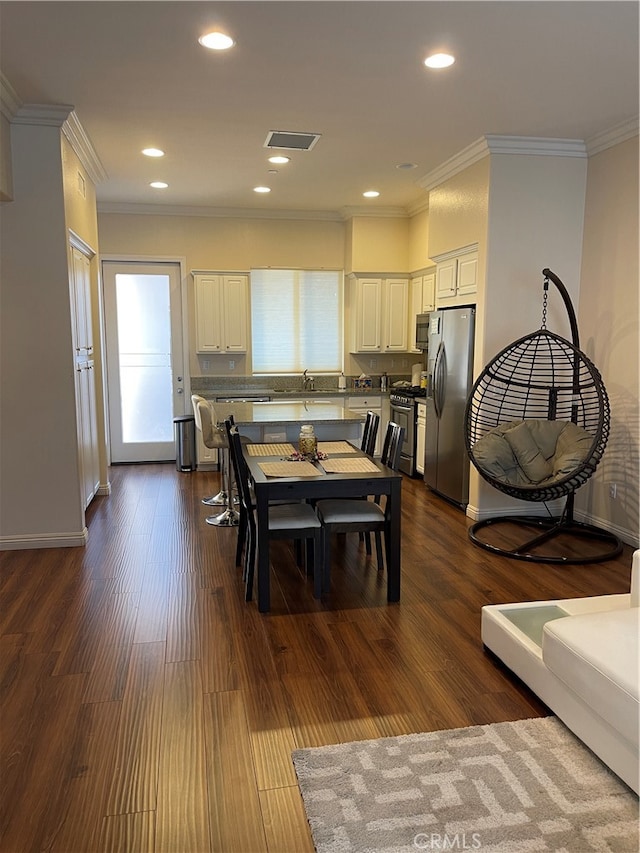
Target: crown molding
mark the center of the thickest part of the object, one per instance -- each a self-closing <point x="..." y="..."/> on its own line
<point x="350" y="211"/>
<point x="465" y="158"/>
<point x="47" y="115"/>
<point x="10" y="103"/>
<point x="495" y="144"/>
<point x="419" y="206"/>
<point x="81" y="144"/>
<point x="614" y="136"/>
<point x="64" y="117"/>
<point x="215" y="212"/>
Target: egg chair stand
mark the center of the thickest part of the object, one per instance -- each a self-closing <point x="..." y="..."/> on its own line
<point x="536" y="426"/>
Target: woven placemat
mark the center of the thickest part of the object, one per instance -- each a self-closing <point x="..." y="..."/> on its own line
<point x="285" y="449"/>
<point x="349" y="466"/>
<point x="336" y="447"/>
<point x="290" y="469"/>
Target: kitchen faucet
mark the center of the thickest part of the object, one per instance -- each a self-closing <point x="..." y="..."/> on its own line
<point x="307" y="382"/>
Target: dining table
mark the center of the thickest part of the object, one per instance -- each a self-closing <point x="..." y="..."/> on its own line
<point x="346" y="472"/>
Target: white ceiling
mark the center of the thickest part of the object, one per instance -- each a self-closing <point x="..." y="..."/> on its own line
<point x="351" y="71"/>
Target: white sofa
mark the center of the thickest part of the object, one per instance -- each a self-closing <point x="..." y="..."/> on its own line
<point x="580" y="656"/>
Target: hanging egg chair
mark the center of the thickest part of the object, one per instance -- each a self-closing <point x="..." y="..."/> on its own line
<point x="536" y="426"/>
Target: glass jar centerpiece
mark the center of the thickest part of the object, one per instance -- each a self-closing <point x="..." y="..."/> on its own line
<point x="307" y="442"/>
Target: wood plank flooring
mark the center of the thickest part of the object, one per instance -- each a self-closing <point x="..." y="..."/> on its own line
<point x="146" y="707"/>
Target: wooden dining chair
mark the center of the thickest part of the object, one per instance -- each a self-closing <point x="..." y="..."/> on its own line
<point x="296" y="521"/>
<point x="370" y="433"/>
<point x="339" y="515"/>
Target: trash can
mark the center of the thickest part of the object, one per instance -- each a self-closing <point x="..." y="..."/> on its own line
<point x="185" y="433"/>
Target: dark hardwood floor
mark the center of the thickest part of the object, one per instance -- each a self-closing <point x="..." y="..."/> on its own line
<point x="146" y="707"/>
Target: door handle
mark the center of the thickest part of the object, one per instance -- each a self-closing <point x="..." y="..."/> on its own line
<point x="437" y="376"/>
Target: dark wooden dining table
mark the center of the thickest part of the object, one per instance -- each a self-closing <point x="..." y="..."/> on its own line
<point x="384" y="481"/>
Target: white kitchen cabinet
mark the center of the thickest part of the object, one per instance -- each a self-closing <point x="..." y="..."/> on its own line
<point x="421" y="301"/>
<point x="364" y="404"/>
<point x="86" y="417"/>
<point x="428" y="292"/>
<point x="221" y="312"/>
<point x="457" y="277"/>
<point x="421" y="435"/>
<point x="379" y="310"/>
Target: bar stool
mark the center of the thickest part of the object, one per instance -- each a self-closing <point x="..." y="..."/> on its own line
<point x="221" y="499"/>
<point x="216" y="438"/>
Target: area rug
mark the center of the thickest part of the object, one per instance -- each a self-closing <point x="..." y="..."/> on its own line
<point x="524" y="786"/>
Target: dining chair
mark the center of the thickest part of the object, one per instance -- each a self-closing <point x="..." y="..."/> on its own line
<point x="339" y="515"/>
<point x="296" y="521"/>
<point x="370" y="433"/>
<point x="368" y="446"/>
<point x="215" y="437"/>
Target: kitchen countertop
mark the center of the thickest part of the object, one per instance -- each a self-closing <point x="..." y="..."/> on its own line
<point x="279" y="412"/>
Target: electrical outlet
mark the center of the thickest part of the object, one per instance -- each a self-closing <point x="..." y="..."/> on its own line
<point x="613" y="491"/>
<point x="373" y="363"/>
<point x="206" y="364"/>
<point x="232" y="364"/>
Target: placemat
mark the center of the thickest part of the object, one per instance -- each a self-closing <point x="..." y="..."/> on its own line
<point x="290" y="469"/>
<point x="270" y="449"/>
<point x="336" y="447"/>
<point x="362" y="465"/>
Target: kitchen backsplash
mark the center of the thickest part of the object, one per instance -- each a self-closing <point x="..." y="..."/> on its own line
<point x="279" y="383"/>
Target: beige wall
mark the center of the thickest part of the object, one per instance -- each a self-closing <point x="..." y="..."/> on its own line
<point x="40" y="496"/>
<point x="458" y="210"/>
<point x="216" y="243"/>
<point x="6" y="177"/>
<point x="419" y="241"/>
<point x="608" y="319"/>
<point x="379" y="244"/>
<point x="233" y="244"/>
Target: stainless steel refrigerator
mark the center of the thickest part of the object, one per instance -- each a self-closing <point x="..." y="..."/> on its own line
<point x="450" y="373"/>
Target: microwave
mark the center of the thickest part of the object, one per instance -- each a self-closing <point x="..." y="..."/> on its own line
<point x="422" y="331"/>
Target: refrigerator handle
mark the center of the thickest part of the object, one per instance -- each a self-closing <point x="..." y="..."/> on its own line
<point x="437" y="377"/>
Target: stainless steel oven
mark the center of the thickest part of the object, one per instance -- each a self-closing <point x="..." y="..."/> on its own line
<point x="403" y="409"/>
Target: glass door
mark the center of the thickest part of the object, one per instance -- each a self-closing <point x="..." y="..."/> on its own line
<point x="145" y="376"/>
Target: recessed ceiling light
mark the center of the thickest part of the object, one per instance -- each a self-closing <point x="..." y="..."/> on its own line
<point x="153" y="152"/>
<point x="158" y="185"/>
<point x="371" y="194"/>
<point x="439" y="60"/>
<point x="262" y="189"/>
<point x="407" y="166"/>
<point x="216" y="41"/>
<point x="279" y="159"/>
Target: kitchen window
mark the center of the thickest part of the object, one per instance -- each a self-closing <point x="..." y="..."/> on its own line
<point x="296" y="320"/>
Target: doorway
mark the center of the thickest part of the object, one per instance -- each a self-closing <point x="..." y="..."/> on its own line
<point x="145" y="358"/>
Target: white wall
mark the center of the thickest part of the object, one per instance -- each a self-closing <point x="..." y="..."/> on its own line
<point x="609" y="329"/>
<point x="40" y="496"/>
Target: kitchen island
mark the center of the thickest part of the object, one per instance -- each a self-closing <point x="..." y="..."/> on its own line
<point x="280" y="420"/>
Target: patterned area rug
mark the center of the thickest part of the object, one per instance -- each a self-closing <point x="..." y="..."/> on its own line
<point x="523" y="786"/>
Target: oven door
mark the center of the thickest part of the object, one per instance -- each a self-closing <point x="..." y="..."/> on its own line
<point x="405" y="416"/>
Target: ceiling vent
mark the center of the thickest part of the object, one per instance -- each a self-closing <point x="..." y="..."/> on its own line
<point x="291" y="140"/>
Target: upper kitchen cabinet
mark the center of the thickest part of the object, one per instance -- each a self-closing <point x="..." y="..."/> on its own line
<point x="421" y="301"/>
<point x="457" y="277"/>
<point x="221" y="312"/>
<point x="379" y="308"/>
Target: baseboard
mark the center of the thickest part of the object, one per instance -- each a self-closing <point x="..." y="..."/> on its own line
<point x="628" y="536"/>
<point x="537" y="510"/>
<point x="533" y="509"/>
<point x="104" y="488"/>
<point x="41" y="540"/>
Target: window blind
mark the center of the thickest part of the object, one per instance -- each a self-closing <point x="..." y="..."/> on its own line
<point x="296" y="321"/>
